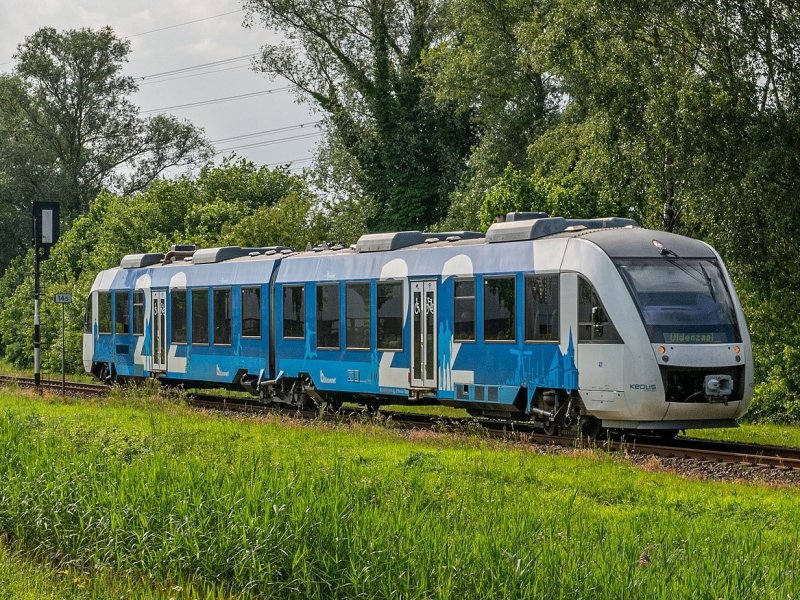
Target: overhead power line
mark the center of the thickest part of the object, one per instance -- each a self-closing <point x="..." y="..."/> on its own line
<point x="267" y="131"/>
<point x="232" y="12"/>
<point x="290" y="138"/>
<point x="192" y="75"/>
<point x="290" y="162"/>
<point x="215" y="100"/>
<point x="182" y="70"/>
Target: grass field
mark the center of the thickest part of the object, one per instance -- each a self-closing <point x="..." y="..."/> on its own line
<point x="194" y="505"/>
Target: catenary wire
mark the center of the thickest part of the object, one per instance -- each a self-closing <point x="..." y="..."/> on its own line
<point x="266" y="132"/>
<point x="215" y="100"/>
<point x="232" y="12"/>
<point x="291" y="138"/>
<point x="182" y="70"/>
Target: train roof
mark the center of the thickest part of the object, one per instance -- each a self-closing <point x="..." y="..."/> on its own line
<point x="457" y="252"/>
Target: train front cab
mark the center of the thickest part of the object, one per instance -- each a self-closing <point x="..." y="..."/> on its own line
<point x="662" y="340"/>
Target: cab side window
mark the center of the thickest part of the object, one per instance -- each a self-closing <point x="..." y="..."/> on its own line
<point x="594" y="325"/>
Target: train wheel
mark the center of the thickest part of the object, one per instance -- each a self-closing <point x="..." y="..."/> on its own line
<point x="591" y="427"/>
<point x="551" y="428"/>
<point x="372" y="408"/>
<point x="668" y="434"/>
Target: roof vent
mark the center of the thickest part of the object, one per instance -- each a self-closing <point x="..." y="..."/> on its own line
<point x="138" y="261"/>
<point x="453" y="238"/>
<point x="525" y="216"/>
<point x="383" y="242"/>
<point x="183" y="248"/>
<point x="206" y="256"/>
<point x="532" y="229"/>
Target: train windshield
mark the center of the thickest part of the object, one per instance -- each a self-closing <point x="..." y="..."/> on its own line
<point x="682" y="301"/>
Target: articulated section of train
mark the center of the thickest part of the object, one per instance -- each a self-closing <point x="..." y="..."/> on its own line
<point x="572" y="323"/>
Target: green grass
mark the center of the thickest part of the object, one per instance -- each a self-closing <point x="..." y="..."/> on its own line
<point x="756" y="433"/>
<point x="6" y="368"/>
<point x="24" y="579"/>
<point x="156" y="492"/>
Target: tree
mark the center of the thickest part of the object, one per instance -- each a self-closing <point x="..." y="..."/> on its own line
<point x="236" y="203"/>
<point x="360" y="62"/>
<point x="484" y="68"/>
<point x="69" y="127"/>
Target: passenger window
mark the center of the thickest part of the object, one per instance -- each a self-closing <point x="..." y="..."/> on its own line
<point x="328" y="316"/>
<point x="464" y="310"/>
<point x="541" y="308"/>
<point x="200" y="316"/>
<point x="178" y="316"/>
<point x="104" y="312"/>
<point x="121" y="313"/>
<point x="87" y="316"/>
<point x="222" y="316"/>
<point x="593" y="323"/>
<point x="499" y="301"/>
<point x="357" y="311"/>
<point x="138" y="312"/>
<point x="294" y="311"/>
<point x="251" y="312"/>
<point x="390" y="315"/>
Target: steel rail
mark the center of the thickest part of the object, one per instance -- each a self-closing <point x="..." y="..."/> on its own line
<point x="71" y="388"/>
<point x="684" y="448"/>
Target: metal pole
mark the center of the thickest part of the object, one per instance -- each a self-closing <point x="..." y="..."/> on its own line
<point x="63" y="366"/>
<point x="37" y="341"/>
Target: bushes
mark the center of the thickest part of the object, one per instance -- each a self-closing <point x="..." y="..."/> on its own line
<point x="235" y="203"/>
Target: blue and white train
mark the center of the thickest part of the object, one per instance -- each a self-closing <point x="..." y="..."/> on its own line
<point x="571" y="323"/>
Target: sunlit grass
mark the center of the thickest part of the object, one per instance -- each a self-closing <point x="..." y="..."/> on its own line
<point x="755" y="433"/>
<point x="6" y="368"/>
<point x="285" y="509"/>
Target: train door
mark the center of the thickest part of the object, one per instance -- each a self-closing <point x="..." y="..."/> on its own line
<point x="159" y="330"/>
<point x="423" y="334"/>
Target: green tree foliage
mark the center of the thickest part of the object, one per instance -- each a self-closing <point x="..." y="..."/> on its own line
<point x="568" y="197"/>
<point x="236" y="203"/>
<point x="360" y="62"/>
<point x="68" y="129"/>
<point x="685" y="116"/>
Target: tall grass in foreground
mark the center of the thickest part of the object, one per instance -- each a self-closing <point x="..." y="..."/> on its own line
<point x="273" y="509"/>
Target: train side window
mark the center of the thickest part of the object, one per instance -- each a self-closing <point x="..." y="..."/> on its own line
<point x="251" y="312"/>
<point x="87" y="316"/>
<point x="294" y="311"/>
<point x="122" y="313"/>
<point x="390" y="315"/>
<point x="104" y="312"/>
<point x="357" y="313"/>
<point x="200" y="316"/>
<point x="138" y="312"/>
<point x="222" y="316"/>
<point x="328" y="320"/>
<point x="178" y="311"/>
<point x="499" y="303"/>
<point x="464" y="310"/>
<point x="593" y="322"/>
<point x="541" y="308"/>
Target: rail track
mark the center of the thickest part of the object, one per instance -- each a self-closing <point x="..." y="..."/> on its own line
<point x="71" y="388"/>
<point x="686" y="448"/>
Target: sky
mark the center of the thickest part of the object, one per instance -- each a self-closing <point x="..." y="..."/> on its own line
<point x="217" y="37"/>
